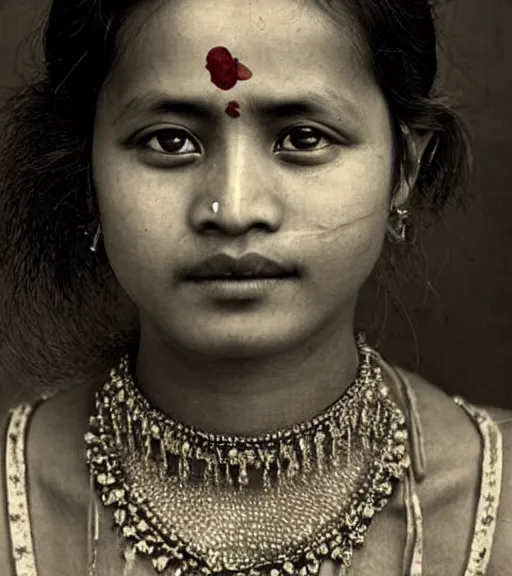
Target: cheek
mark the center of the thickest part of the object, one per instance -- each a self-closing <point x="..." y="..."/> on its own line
<point x="347" y="204"/>
<point x="348" y="252"/>
<point x="343" y="250"/>
<point x="340" y="221"/>
<point x="139" y="223"/>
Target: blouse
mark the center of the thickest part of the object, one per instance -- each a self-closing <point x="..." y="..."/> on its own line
<point x="19" y="522"/>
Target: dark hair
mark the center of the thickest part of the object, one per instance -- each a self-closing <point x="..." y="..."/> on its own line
<point x="63" y="316"/>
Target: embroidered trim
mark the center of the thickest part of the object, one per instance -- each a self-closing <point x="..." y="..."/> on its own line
<point x="490" y="489"/>
<point x="17" y="499"/>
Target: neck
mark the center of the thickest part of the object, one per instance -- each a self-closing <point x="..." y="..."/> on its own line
<point x="246" y="397"/>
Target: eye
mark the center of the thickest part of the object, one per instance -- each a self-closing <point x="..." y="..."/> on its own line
<point x="171" y="141"/>
<point x="303" y="139"/>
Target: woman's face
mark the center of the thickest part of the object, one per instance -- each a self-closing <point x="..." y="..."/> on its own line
<point x="302" y="175"/>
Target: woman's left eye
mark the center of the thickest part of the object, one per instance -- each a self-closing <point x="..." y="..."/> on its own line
<point x="303" y="139"/>
<point x="171" y="141"/>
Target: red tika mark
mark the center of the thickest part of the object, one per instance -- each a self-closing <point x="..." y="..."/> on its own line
<point x="225" y="71"/>
<point x="232" y="109"/>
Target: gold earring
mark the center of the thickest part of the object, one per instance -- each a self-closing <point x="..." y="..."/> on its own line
<point x="398" y="225"/>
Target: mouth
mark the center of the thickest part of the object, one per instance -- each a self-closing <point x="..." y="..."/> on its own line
<point x="247" y="277"/>
<point x="246" y="287"/>
<point x="249" y="268"/>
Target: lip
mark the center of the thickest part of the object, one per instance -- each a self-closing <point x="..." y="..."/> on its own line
<point x="240" y="288"/>
<point x="250" y="267"/>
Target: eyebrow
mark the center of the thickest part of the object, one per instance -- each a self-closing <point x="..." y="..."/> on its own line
<point x="155" y="102"/>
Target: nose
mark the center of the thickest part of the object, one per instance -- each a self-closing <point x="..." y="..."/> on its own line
<point x="238" y="179"/>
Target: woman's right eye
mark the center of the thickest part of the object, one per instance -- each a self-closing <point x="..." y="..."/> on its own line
<point x="170" y="141"/>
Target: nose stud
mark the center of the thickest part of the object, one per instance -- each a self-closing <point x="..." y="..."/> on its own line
<point x="215" y="207"/>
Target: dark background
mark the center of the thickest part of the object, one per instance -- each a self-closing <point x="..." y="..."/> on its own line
<point x="457" y="331"/>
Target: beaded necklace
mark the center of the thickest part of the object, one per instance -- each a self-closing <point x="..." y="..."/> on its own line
<point x="272" y="505"/>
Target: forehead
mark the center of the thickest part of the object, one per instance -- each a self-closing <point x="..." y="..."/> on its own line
<point x="283" y="43"/>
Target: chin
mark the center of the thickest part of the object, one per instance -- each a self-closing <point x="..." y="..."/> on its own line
<point x="245" y="343"/>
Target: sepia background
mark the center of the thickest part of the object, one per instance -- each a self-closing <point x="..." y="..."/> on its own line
<point x="455" y="325"/>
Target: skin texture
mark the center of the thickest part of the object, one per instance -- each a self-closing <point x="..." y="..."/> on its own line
<point x="284" y="357"/>
<point x="243" y="367"/>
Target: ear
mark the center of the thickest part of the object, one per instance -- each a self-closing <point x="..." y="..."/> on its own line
<point x="415" y="145"/>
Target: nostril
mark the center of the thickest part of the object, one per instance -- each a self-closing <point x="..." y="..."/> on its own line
<point x="208" y="226"/>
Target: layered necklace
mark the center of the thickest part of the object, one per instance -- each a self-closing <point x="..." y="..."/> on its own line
<point x="273" y="505"/>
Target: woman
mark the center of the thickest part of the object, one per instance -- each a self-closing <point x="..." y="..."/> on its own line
<point x="237" y="170"/>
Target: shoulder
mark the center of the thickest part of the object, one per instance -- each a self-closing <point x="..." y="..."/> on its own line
<point x="454" y="459"/>
<point x="447" y="426"/>
<point x="452" y="441"/>
<point x="52" y="452"/>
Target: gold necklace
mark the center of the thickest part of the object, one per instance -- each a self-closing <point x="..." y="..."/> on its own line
<point x="273" y="505"/>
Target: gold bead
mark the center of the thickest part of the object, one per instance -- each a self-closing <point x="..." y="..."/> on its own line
<point x="120" y="517"/>
<point x="368" y="512"/>
<point x="91" y="438"/>
<point x="106" y="479"/>
<point x="142" y="526"/>
<point x="143" y="547"/>
<point x="161" y="563"/>
<point x="129" y="531"/>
